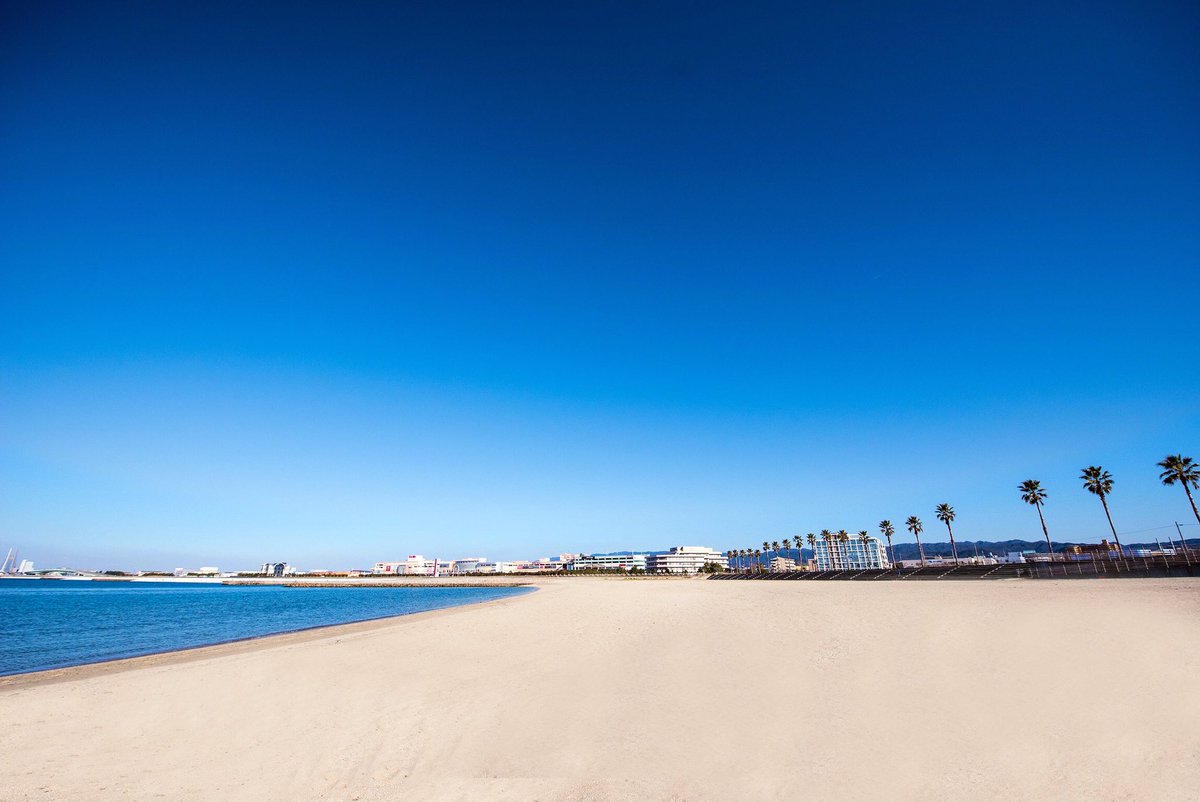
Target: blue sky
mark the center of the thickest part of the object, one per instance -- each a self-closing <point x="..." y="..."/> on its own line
<point x="334" y="286"/>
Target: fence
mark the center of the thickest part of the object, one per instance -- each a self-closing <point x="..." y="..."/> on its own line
<point x="1178" y="565"/>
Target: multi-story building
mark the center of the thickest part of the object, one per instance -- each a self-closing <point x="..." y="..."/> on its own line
<point x="1087" y="551"/>
<point x="467" y="565"/>
<point x="782" y="564"/>
<point x="685" y="560"/>
<point x="415" y="565"/>
<point x="276" y="569"/>
<point x="540" y="565"/>
<point x="854" y="554"/>
<point x="621" y="562"/>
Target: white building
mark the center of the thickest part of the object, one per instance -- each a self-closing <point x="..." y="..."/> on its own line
<point x="833" y="555"/>
<point x="467" y="565"/>
<point x="540" y="565"/>
<point x="276" y="569"/>
<point x="948" y="561"/>
<point x="685" y="560"/>
<point x="415" y="565"/>
<point x="622" y="562"/>
<point x="782" y="564"/>
<point x="26" y="567"/>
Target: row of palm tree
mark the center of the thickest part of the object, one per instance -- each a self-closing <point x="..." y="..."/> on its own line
<point x="943" y="512"/>
<point x="744" y="559"/>
<point x="1176" y="469"/>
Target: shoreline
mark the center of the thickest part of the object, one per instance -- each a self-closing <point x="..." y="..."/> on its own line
<point x="206" y="651"/>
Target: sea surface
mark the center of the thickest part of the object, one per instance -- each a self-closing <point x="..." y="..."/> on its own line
<point x="54" y="623"/>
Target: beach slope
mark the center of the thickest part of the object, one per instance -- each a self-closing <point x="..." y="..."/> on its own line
<point x="659" y="689"/>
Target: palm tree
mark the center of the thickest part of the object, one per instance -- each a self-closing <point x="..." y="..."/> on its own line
<point x="843" y="537"/>
<point x="1032" y="493"/>
<point x="827" y="536"/>
<point x="775" y="547"/>
<point x="812" y="545"/>
<point x="914" y="525"/>
<point x="945" y="514"/>
<point x="787" y="545"/>
<point x="1178" y="468"/>
<point x="757" y="560"/>
<point x="865" y="539"/>
<point x="1099" y="482"/>
<point x="886" y="528"/>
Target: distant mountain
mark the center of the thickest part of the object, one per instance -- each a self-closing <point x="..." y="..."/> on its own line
<point x="908" y="551"/>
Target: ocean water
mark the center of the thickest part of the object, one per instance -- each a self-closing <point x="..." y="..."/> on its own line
<point x="52" y="624"/>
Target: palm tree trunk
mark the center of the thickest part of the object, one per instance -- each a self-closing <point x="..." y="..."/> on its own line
<point x="920" y="549"/>
<point x="1107" y="514"/>
<point x="1049" y="548"/>
<point x="891" y="553"/>
<point x="953" y="548"/>
<point x="1192" y="501"/>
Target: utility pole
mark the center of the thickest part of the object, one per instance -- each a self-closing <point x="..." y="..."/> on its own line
<point x="1183" y="545"/>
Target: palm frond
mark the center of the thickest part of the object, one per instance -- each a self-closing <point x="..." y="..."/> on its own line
<point x="1178" y="468"/>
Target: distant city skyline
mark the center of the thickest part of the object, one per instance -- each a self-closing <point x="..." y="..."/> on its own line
<point x="469" y="279"/>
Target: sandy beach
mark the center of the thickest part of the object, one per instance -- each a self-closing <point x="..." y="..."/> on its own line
<point x="668" y="689"/>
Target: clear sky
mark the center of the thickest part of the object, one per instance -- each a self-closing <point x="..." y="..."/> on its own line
<point x="335" y="283"/>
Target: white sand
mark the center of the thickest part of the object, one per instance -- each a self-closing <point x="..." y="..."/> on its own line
<point x="626" y="689"/>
